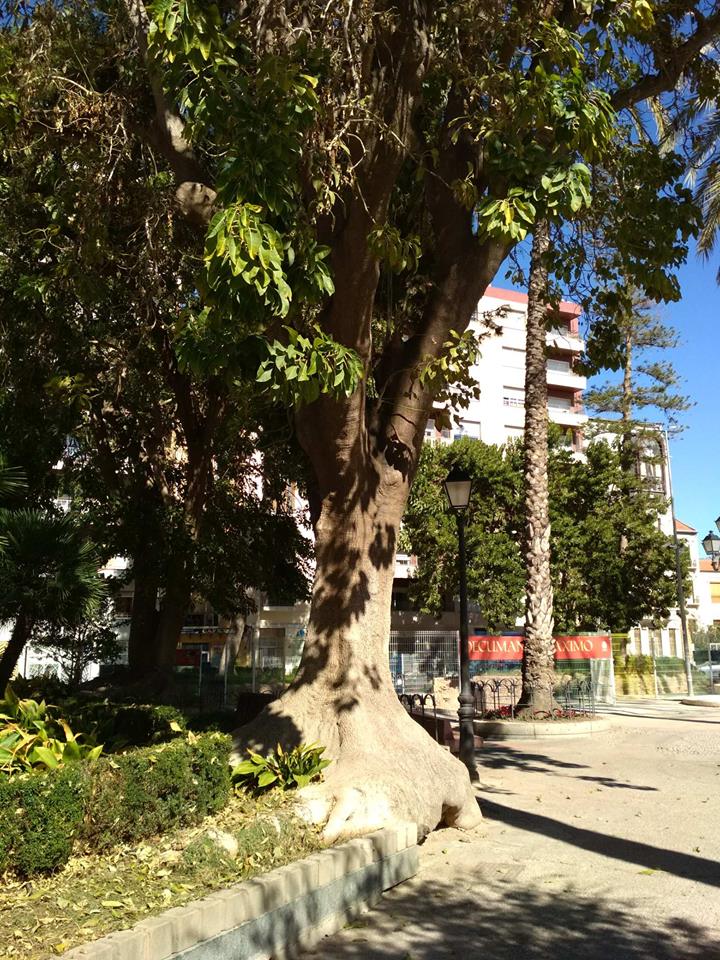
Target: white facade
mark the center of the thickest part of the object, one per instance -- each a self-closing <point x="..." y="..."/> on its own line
<point x="499" y="413"/>
<point x="708" y="595"/>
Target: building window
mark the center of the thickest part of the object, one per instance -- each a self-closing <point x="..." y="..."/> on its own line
<point x="513" y="397"/>
<point x="561" y="366"/>
<point x="513" y="358"/>
<point x="675" y="649"/>
<point x="559" y="403"/>
<point x="122" y="606"/>
<point x="715" y="593"/>
<point x="656" y="641"/>
<point x="467" y="428"/>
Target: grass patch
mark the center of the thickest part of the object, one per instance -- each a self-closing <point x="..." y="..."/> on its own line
<point x="96" y="894"/>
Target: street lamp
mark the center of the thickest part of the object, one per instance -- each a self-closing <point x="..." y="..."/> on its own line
<point x="711" y="546"/>
<point x="458" y="487"/>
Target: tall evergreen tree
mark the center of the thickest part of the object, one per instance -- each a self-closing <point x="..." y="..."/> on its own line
<point x="649" y="389"/>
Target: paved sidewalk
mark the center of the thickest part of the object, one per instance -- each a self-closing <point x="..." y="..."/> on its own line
<point x="604" y="848"/>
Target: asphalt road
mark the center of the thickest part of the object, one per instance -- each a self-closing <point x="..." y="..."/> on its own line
<point x="605" y="848"/>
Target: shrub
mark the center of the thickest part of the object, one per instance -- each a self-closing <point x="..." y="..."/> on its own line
<point x="41" y="814"/>
<point x="286" y="769"/>
<point x="31" y="736"/>
<point x="116" y="799"/>
<point x="641" y="664"/>
<point x="152" y="789"/>
<point x="121" y="725"/>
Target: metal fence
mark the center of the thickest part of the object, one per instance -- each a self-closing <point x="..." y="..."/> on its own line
<point x="418" y="657"/>
<point x="500" y="696"/>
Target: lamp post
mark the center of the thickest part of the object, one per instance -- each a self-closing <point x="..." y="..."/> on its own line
<point x="664" y="444"/>
<point x="711" y="546"/>
<point x="458" y="487"/>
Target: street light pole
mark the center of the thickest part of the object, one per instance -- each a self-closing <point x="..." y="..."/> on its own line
<point x="678" y="573"/>
<point x="466" y="710"/>
<point x="458" y="487"/>
<point x="711" y="546"/>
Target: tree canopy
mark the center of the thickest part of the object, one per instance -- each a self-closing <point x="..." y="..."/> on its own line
<point x="594" y="506"/>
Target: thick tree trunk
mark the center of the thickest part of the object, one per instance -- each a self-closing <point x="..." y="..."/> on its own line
<point x="173" y="610"/>
<point x="233" y="644"/>
<point x="143" y="622"/>
<point x="18" y="638"/>
<point x="538" y="667"/>
<point x="385" y="766"/>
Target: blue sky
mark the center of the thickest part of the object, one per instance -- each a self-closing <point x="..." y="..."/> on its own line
<point x="696" y="451"/>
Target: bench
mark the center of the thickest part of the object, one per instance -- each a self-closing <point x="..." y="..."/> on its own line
<point x="442" y="730"/>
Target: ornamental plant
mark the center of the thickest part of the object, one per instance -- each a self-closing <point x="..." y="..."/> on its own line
<point x="32" y="738"/>
<point x="282" y="768"/>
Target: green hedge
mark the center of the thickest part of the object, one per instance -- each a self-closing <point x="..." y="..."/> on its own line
<point x="153" y="789"/>
<point x="121" y="725"/>
<point x="116" y="799"/>
<point x="41" y="814"/>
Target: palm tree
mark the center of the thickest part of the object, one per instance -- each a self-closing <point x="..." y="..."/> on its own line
<point x="538" y="666"/>
<point x="48" y="574"/>
<point x="706" y="163"/>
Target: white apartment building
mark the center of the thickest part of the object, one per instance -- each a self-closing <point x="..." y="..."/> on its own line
<point x="499" y="413"/>
<point x="708" y="595"/>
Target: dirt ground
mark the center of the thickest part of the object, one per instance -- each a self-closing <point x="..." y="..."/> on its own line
<point x="601" y="848"/>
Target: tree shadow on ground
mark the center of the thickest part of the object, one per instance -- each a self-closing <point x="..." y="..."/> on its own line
<point x="503" y="757"/>
<point x="497" y="921"/>
<point x="685" y="865"/>
<point x="659" y="715"/>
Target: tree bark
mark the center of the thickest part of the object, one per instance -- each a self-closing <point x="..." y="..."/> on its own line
<point x="384" y="764"/>
<point x="18" y="638"/>
<point x="538" y="666"/>
<point x="173" y="610"/>
<point x="233" y="644"/>
<point x="143" y="621"/>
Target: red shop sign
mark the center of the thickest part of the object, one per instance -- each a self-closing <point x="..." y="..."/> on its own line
<point x="495" y="648"/>
<point x="576" y="647"/>
<point x="595" y="647"/>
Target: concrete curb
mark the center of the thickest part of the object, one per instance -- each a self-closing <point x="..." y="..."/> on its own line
<point x="708" y="700"/>
<point x="274" y="915"/>
<point x="538" y="729"/>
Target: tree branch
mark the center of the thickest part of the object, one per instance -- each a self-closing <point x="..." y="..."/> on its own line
<point x="671" y="69"/>
<point x="194" y="197"/>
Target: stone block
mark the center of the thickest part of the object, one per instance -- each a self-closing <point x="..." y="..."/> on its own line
<point x="99" y="950"/>
<point x="158" y="933"/>
<point x="266" y="893"/>
<point x="186" y="926"/>
<point x="213" y="912"/>
<point x="357" y="854"/>
<point x="125" y="944"/>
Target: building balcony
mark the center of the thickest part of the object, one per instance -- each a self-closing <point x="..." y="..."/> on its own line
<point x="560" y="375"/>
<point x="567" y="416"/>
<point x="560" y="339"/>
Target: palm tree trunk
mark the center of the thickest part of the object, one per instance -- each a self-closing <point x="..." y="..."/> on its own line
<point x="538" y="667"/>
<point x="19" y="637"/>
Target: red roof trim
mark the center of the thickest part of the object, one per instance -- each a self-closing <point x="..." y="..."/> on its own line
<point x="683" y="527"/>
<point x="515" y="296"/>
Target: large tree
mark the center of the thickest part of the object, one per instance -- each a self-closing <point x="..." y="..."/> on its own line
<point x="95" y="278"/>
<point x="309" y="138"/>
<point x="648" y="388"/>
